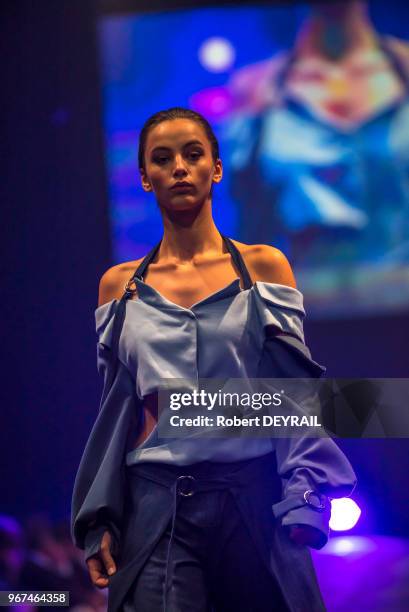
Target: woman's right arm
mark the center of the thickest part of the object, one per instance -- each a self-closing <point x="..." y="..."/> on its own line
<point x="98" y="495"/>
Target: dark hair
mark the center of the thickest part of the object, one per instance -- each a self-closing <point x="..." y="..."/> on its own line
<point x="176" y="112"/>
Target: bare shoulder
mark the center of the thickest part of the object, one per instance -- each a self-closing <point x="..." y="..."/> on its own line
<point x="112" y="283"/>
<point x="266" y="263"/>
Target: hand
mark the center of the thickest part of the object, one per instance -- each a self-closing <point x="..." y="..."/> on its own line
<point x="305" y="535"/>
<point x="103" y="563"/>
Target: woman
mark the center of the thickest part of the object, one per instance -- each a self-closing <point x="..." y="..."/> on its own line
<point x="195" y="523"/>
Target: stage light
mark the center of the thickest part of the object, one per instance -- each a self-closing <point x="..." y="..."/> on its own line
<point x="347" y="546"/>
<point x="344" y="514"/>
<point x="216" y="54"/>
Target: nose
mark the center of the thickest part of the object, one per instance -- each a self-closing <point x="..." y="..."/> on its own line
<point x="179" y="168"/>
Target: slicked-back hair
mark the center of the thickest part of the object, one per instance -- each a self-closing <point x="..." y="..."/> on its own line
<point x="176" y="112"/>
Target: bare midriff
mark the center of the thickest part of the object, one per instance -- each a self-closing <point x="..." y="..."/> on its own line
<point x="150" y="409"/>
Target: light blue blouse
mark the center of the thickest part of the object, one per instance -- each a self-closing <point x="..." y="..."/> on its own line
<point x="221" y="336"/>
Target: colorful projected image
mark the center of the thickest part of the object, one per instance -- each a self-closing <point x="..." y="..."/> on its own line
<point x="311" y="105"/>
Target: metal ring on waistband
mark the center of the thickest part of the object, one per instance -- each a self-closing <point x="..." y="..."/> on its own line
<point x="189" y="492"/>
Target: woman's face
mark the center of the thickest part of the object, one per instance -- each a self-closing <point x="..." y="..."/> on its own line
<point x="179" y="167"/>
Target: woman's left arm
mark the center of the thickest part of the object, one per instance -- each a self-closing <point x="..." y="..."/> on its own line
<point x="312" y="469"/>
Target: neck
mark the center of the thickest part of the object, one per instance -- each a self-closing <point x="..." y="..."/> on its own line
<point x="189" y="234"/>
<point x="335" y="30"/>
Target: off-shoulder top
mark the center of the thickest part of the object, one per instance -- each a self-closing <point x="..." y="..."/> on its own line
<point x="222" y="336"/>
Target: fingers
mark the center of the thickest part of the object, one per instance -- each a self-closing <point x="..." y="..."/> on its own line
<point x="102" y="564"/>
<point x="105" y="554"/>
<point x="97" y="572"/>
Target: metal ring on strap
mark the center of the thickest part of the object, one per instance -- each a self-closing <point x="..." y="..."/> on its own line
<point x="127" y="286"/>
<point x="320" y="504"/>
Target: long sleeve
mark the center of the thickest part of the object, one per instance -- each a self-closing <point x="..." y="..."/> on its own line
<point x="98" y="495"/>
<point x="312" y="469"/>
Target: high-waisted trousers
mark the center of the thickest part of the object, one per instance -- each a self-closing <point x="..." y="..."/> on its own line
<point x="206" y="559"/>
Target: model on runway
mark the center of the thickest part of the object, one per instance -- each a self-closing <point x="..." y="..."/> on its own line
<point x="198" y="523"/>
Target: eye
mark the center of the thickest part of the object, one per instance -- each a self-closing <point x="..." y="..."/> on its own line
<point x="195" y="155"/>
<point x="160" y="159"/>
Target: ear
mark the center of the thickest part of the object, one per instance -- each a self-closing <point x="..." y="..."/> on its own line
<point x="146" y="185"/>
<point x="218" y="171"/>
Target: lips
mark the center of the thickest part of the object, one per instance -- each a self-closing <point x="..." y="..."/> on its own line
<point x="181" y="186"/>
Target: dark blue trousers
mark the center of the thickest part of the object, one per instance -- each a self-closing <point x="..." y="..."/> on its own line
<point x="213" y="564"/>
<point x="203" y="538"/>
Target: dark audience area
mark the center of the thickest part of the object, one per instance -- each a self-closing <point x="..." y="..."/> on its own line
<point x="40" y="556"/>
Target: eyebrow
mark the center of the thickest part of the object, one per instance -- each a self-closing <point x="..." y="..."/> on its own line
<point x="187" y="144"/>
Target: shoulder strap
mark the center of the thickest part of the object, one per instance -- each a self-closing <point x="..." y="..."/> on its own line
<point x="238" y="262"/>
<point x="119" y="318"/>
<point x="141" y="269"/>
